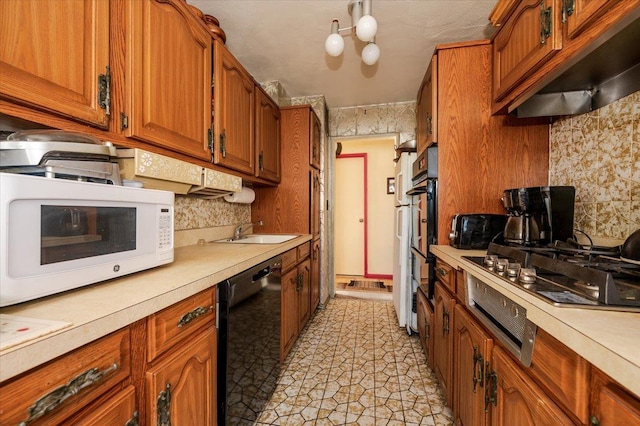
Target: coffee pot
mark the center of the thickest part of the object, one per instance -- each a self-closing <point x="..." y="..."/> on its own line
<point x="538" y="215"/>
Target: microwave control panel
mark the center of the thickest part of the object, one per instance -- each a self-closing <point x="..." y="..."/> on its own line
<point x="165" y="228"/>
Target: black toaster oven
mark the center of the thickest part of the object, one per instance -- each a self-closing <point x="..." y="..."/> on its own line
<point x="475" y="231"/>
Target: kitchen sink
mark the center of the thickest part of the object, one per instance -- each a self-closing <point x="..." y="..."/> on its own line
<point x="260" y="239"/>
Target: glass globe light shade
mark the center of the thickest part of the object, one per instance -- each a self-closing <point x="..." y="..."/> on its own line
<point x="334" y="45"/>
<point x="366" y="28"/>
<point x="370" y="54"/>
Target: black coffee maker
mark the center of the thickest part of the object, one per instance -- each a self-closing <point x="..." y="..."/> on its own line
<point x="539" y="215"/>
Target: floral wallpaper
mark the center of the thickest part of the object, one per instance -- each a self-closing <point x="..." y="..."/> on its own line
<point x="375" y="119"/>
<point x="599" y="154"/>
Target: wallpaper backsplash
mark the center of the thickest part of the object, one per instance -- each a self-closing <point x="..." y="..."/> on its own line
<point x="599" y="154"/>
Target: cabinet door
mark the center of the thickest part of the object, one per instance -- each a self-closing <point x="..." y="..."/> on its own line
<point x="581" y="13"/>
<point x="315" y="137"/>
<point x="472" y="348"/>
<point x="525" y="42"/>
<point x="516" y="399"/>
<point x="234" y="113"/>
<point x="181" y="386"/>
<point x="425" y="326"/>
<point x="315" y="204"/>
<point x="267" y="137"/>
<point x="610" y="404"/>
<point x="117" y="411"/>
<point x="442" y="339"/>
<point x="289" y="309"/>
<point x="315" y="275"/>
<point x="426" y="113"/>
<point x="168" y="79"/>
<point x="304" y="292"/>
<point x="52" y="54"/>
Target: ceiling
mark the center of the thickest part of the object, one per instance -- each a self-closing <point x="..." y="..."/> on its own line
<point x="284" y="40"/>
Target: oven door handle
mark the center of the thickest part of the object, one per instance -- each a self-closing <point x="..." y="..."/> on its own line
<point x="419" y="253"/>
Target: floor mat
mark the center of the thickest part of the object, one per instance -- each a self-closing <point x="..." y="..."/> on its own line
<point x="365" y="285"/>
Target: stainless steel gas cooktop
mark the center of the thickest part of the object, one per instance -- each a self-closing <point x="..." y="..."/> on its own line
<point x="567" y="277"/>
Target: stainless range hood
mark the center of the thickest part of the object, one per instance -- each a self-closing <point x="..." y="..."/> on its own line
<point x="607" y="73"/>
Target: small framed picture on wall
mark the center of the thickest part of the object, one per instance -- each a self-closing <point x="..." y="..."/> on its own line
<point x="391" y="185"/>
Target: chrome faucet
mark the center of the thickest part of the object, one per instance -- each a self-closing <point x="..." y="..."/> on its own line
<point x="240" y="229"/>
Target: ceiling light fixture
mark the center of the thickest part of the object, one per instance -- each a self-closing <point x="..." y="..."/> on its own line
<point x="365" y="27"/>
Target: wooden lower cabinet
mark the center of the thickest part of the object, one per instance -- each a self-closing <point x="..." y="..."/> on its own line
<point x="181" y="386"/>
<point x="54" y="392"/>
<point x="472" y="351"/>
<point x="516" y="399"/>
<point x="315" y="275"/>
<point x="296" y="296"/>
<point x="444" y="305"/>
<point x="119" y="410"/>
<point x="425" y="324"/>
<point x="610" y="404"/>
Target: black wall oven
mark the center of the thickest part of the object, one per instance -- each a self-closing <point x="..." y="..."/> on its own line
<point x="424" y="218"/>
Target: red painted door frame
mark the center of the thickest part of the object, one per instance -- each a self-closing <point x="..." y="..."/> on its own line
<point x="365" y="200"/>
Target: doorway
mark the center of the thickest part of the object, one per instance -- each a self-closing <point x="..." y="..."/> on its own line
<point x="374" y="266"/>
<point x="351" y="214"/>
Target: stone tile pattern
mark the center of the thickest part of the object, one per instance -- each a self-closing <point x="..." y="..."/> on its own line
<point x="195" y="213"/>
<point x="353" y="365"/>
<point x="599" y="154"/>
<point x="374" y="120"/>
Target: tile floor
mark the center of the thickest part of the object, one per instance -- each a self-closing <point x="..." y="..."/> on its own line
<point x="352" y="365"/>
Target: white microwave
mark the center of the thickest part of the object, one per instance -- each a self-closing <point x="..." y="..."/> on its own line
<point x="58" y="234"/>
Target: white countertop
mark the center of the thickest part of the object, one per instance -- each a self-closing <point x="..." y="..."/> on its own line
<point x="609" y="340"/>
<point x="97" y="310"/>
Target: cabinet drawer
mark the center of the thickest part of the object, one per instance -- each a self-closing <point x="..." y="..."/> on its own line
<point x="116" y="411"/>
<point x="177" y="322"/>
<point x="60" y="388"/>
<point x="446" y="275"/>
<point x="563" y="373"/>
<point x="289" y="259"/>
<point x="304" y="250"/>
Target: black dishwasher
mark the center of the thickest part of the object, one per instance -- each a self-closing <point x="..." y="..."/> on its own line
<point x="248" y="342"/>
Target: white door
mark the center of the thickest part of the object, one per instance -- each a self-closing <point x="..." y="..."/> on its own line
<point x="350" y="220"/>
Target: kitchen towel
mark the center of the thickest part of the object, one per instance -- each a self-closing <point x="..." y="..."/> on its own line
<point x="245" y="196"/>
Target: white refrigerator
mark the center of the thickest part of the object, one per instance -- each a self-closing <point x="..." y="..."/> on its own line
<point x="402" y="282"/>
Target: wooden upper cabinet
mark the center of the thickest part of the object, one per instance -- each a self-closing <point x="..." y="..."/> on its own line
<point x="426" y="114"/>
<point x="168" y="78"/>
<point x="233" y="138"/>
<point x="267" y="137"/>
<point x="580" y="13"/>
<point x="315" y="137"/>
<point x="532" y="34"/>
<point x="43" y="63"/>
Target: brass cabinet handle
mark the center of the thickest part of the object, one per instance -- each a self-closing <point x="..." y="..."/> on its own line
<point x="594" y="421"/>
<point x="164" y="406"/>
<point x="133" y="421"/>
<point x="545" y="23"/>
<point x="223" y="143"/>
<point x="441" y="272"/>
<point x="190" y="316"/>
<point x="55" y="398"/>
<point x="261" y="161"/>
<point x="491" y="390"/>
